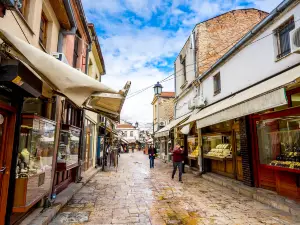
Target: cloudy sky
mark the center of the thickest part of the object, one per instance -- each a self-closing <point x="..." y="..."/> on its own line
<point x="140" y="40"/>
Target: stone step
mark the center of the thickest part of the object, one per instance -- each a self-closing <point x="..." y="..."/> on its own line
<point x="267" y="197"/>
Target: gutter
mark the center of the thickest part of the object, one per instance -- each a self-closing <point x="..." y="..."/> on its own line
<point x="276" y="12"/>
<point x="84" y="21"/>
<point x="63" y="32"/>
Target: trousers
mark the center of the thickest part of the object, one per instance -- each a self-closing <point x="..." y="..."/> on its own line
<point x="179" y="165"/>
<point x="151" y="161"/>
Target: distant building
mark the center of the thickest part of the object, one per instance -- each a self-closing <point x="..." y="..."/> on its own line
<point x="163" y="109"/>
<point x="129" y="132"/>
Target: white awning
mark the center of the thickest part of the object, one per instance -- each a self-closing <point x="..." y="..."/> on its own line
<point x="75" y="85"/>
<point x="186" y="129"/>
<point x="165" y="131"/>
<point x="266" y="95"/>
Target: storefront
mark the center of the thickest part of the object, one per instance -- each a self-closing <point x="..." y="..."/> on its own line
<point x="276" y="148"/>
<point x="89" y="154"/>
<point x="193" y="148"/>
<point x="27" y="140"/>
<point x="221" y="149"/>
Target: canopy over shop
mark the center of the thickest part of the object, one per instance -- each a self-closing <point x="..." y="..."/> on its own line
<point x="250" y="124"/>
<point x="81" y="89"/>
<point x="34" y="169"/>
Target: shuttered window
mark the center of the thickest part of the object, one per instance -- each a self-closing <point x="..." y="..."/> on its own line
<point x="43" y="30"/>
<point x="217" y="84"/>
<point x="283" y="38"/>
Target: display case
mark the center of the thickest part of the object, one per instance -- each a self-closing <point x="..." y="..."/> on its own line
<point x="217" y="148"/>
<point x="34" y="163"/>
<point x="193" y="147"/>
<point x="67" y="156"/>
<point x="279" y="142"/>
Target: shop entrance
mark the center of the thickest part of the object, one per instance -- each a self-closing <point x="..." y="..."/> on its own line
<point x="7" y="123"/>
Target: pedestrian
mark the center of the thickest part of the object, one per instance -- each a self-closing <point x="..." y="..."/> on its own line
<point x="152" y="153"/>
<point x="132" y="149"/>
<point x="177" y="161"/>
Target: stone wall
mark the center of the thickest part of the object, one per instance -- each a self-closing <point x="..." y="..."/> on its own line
<point x="166" y="109"/>
<point x="216" y="36"/>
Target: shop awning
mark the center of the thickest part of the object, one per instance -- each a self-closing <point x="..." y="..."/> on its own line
<point x="75" y="85"/>
<point x="166" y="130"/>
<point x="263" y="96"/>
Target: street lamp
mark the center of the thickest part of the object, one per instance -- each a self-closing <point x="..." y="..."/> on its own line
<point x="157" y="88"/>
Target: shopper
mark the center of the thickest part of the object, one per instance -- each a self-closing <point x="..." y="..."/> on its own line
<point x="152" y="153"/>
<point x="177" y="161"/>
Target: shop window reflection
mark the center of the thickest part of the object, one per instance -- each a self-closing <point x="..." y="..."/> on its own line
<point x="279" y="142"/>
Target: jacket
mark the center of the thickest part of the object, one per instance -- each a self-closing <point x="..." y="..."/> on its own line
<point x="177" y="155"/>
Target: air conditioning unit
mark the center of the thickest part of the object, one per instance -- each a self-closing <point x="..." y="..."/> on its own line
<point x="162" y="123"/>
<point x="295" y="40"/>
<point x="61" y="57"/>
<point x="199" y="102"/>
<point x="191" y="104"/>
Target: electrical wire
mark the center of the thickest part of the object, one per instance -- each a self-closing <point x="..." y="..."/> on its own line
<point x="19" y="26"/>
<point x="171" y="78"/>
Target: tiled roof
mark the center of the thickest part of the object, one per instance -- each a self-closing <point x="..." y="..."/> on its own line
<point x="125" y="126"/>
<point x="167" y="94"/>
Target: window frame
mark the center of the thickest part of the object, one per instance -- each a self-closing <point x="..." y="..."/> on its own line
<point x="24" y="9"/>
<point x="217" y="83"/>
<point x="75" y="51"/>
<point x="183" y="63"/>
<point x="43" y="39"/>
<point x="286" y="26"/>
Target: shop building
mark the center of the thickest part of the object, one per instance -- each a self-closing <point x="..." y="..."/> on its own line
<point x="249" y="130"/>
<point x="130" y="133"/>
<point x="44" y="107"/>
<point x="209" y="41"/>
<point x="163" y="112"/>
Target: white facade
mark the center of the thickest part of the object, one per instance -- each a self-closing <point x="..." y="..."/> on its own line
<point x="183" y="92"/>
<point x="129" y="134"/>
<point x="254" y="63"/>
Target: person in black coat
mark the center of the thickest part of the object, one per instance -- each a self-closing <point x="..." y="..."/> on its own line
<point x="152" y="153"/>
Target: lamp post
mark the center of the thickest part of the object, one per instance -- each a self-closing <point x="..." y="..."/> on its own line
<point x="157" y="91"/>
<point x="157" y="88"/>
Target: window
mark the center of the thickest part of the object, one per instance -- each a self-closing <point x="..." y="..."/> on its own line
<point x="282" y="35"/>
<point x="75" y="52"/>
<point x="24" y="8"/>
<point x="43" y="30"/>
<point x="183" y="63"/>
<point x="217" y="84"/>
<point x="131" y="133"/>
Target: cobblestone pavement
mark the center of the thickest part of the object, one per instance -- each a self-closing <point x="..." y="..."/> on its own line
<point x="137" y="195"/>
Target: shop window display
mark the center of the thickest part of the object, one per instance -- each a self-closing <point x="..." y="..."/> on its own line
<point x="217" y="147"/>
<point x="68" y="147"/>
<point x="34" y="164"/>
<point x="193" y="147"/>
<point x="279" y="142"/>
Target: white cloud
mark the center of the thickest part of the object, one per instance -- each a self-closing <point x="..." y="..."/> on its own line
<point x="134" y="49"/>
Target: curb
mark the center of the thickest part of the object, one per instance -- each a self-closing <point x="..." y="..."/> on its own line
<point x="44" y="217"/>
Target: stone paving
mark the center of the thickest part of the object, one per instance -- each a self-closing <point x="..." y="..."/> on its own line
<point x="137" y="195"/>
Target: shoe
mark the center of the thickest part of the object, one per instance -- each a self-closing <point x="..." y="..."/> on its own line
<point x="180" y="181"/>
<point x="172" y="178"/>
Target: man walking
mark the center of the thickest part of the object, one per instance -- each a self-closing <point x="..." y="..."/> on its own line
<point x="177" y="161"/>
<point x="152" y="153"/>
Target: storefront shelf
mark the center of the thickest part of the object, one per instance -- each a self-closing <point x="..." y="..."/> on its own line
<point x="278" y="168"/>
<point x="214" y="158"/>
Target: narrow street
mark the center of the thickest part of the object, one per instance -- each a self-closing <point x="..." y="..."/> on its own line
<point x="137" y="195"/>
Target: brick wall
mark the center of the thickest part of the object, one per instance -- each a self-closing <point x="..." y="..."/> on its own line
<point x="166" y="109"/>
<point x="216" y="36"/>
<point x="246" y="152"/>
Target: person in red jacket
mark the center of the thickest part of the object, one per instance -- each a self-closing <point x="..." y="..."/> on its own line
<point x="177" y="161"/>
